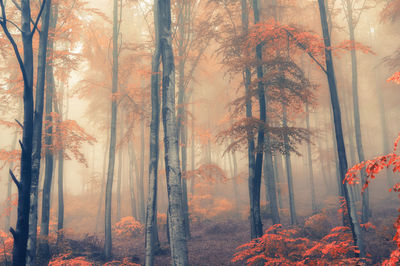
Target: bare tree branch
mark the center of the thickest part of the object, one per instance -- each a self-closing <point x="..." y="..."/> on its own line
<point x="38" y="18"/>
<point x="12" y="23"/>
<point x="17" y="183"/>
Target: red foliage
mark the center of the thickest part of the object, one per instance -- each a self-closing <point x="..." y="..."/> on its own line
<point x="66" y="260"/>
<point x="69" y="137"/>
<point x="284" y="247"/>
<point x="127" y="227"/>
<point x="6" y="246"/>
<point x="395" y="78"/>
<point x="124" y="262"/>
<point x="372" y="168"/>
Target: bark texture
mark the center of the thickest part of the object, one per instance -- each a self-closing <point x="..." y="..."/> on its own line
<point x="37" y="135"/>
<point x="113" y="139"/>
<point x="151" y="212"/>
<point x="355" y="226"/>
<point x="179" y="251"/>
<point x="44" y="249"/>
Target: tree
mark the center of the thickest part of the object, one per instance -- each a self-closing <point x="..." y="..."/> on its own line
<point x="255" y="184"/>
<point x="20" y="234"/>
<point x="314" y="205"/>
<point x="179" y="252"/>
<point x="355" y="226"/>
<point x="44" y="248"/>
<point x="151" y="211"/>
<point x="111" y="158"/>
<point x="37" y="133"/>
<point x="352" y="20"/>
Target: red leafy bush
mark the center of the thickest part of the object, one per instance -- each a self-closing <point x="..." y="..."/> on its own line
<point x="372" y="168"/>
<point x="280" y="246"/>
<point x="127" y="227"/>
<point x="66" y="260"/>
<point x="317" y="226"/>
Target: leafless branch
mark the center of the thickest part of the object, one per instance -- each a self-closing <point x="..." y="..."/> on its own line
<point x="17" y="183"/>
<point x="38" y="17"/>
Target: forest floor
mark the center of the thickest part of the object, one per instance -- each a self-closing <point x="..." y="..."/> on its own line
<point x="214" y="242"/>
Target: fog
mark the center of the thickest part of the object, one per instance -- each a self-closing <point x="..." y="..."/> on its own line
<point x="211" y="54"/>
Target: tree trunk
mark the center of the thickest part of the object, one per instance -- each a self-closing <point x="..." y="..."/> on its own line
<point x="255" y="186"/>
<point x="9" y="187"/>
<point x="113" y="138"/>
<point x="179" y="251"/>
<point x="184" y="132"/>
<point x="37" y="135"/>
<point x="120" y="160"/>
<point x="277" y="167"/>
<point x="384" y="129"/>
<point x="131" y="181"/>
<point x="58" y="106"/>
<point x="310" y="166"/>
<point x="250" y="137"/>
<point x="288" y="163"/>
<point x="141" y="177"/>
<point x="357" y="122"/>
<point x="355" y="226"/>
<point x="44" y="249"/>
<point x="103" y="183"/>
<point x="233" y="163"/>
<point x="151" y="212"/>
<point x="60" y="223"/>
<point x="20" y="234"/>
<point x="193" y="155"/>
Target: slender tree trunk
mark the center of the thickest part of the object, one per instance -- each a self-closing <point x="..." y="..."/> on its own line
<point x="131" y="181"/>
<point x="137" y="174"/>
<point x="357" y="122"/>
<point x="103" y="183"/>
<point x="288" y="163"/>
<point x="151" y="212"/>
<point x="179" y="251"/>
<point x="58" y="106"/>
<point x="384" y="129"/>
<point x="44" y="249"/>
<point x="60" y="223"/>
<point x="256" y="182"/>
<point x="250" y="137"/>
<point x="310" y="166"/>
<point x="277" y="166"/>
<point x="120" y="160"/>
<point x="37" y="135"/>
<point x="141" y="177"/>
<point x="182" y="95"/>
<point x="233" y="161"/>
<point x="324" y="165"/>
<point x="184" y="132"/>
<point x="113" y="138"/>
<point x="193" y="150"/>
<point x="9" y="187"/>
<point x="355" y="226"/>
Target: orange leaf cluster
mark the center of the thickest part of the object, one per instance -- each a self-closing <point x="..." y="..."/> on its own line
<point x="68" y="136"/>
<point x="6" y="247"/>
<point x="395" y="78"/>
<point x="66" y="260"/>
<point x="279" y="246"/>
<point x="8" y="157"/>
<point x="372" y="168"/>
<point x="127" y="227"/>
<point x="124" y="262"/>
